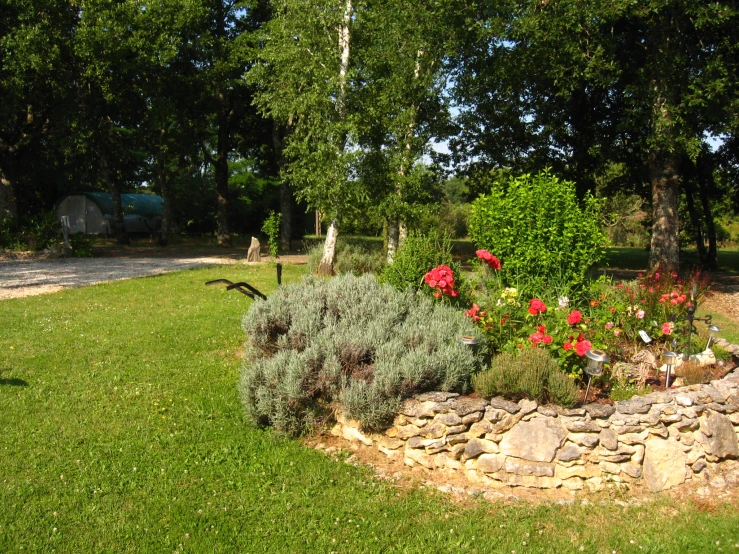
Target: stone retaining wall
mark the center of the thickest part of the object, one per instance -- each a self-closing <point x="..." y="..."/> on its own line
<point x="664" y="438"/>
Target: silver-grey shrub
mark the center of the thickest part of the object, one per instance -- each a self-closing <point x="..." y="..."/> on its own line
<point x="353" y="344"/>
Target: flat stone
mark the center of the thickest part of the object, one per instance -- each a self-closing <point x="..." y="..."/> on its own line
<point x="433" y="431"/>
<point x="527" y="406"/>
<point x="570" y="412"/>
<point x="480" y="428"/>
<point x="532" y="481"/>
<point x="474" y="417"/>
<point x="569" y="453"/>
<point x="449" y="419"/>
<point x="415" y="442"/>
<point x="699" y="466"/>
<point x="663" y="431"/>
<point x="721" y="437"/>
<point x="684" y="400"/>
<point x="475" y="447"/>
<point x="420" y="457"/>
<point x="632" y="470"/>
<point x="670" y="418"/>
<point x="599" y="410"/>
<point x="536" y="440"/>
<point x="457" y="439"/>
<point x="436" y="396"/>
<point x="585" y="472"/>
<point x="615" y="458"/>
<point x="456" y="429"/>
<point x="520" y="467"/>
<point x="408" y="431"/>
<point x="414" y="408"/>
<point x="638" y="456"/>
<point x="639" y="405"/>
<point x="490" y="463"/>
<point x="687" y="425"/>
<point x="610" y="467"/>
<point x="445" y="461"/>
<point x="579" y="426"/>
<point x="503" y="404"/>
<point x="420" y="421"/>
<point x="628" y="429"/>
<point x="664" y="464"/>
<point x="464" y="406"/>
<point x="433" y="444"/>
<point x="548" y="410"/>
<point x="456" y="450"/>
<point x="353" y="434"/>
<point x="494" y="415"/>
<point x="588" y="440"/>
<point x="652" y="418"/>
<point x="609" y="439"/>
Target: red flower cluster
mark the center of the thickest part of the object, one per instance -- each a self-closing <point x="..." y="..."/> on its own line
<point x="475" y="313"/>
<point x="540" y="336"/>
<point x="441" y="279"/>
<point x="674" y="298"/>
<point x="575" y="317"/>
<point x="537" y="307"/>
<point x="488" y="258"/>
<point x="579" y="344"/>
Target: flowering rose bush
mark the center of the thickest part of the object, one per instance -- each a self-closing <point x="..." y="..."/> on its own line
<point x="441" y="281"/>
<point x="489" y="259"/>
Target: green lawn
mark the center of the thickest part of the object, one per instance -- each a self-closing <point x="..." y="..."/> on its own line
<point x="122" y="431"/>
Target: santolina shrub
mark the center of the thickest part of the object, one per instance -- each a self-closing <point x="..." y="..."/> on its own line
<point x="537" y="227"/>
<point x="353" y="344"/>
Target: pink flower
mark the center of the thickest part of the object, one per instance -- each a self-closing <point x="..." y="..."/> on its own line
<point x="667" y="328"/>
<point x="609" y="325"/>
<point x="441" y="279"/>
<point x="489" y="259"/>
<point x="541" y="329"/>
<point x="567" y="346"/>
<point x="537" y="307"/>
<point x="640" y="314"/>
<point x="575" y="317"/>
<point x="616" y="332"/>
<point x="673" y="301"/>
<point x="536" y="338"/>
<point x="582" y="347"/>
<point x="547" y="339"/>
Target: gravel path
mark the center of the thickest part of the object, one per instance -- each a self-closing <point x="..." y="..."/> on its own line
<point x="39" y="276"/>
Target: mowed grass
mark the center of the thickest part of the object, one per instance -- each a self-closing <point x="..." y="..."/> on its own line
<point x="121" y="430"/>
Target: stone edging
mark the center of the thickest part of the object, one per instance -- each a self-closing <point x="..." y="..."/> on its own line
<point x="662" y="439"/>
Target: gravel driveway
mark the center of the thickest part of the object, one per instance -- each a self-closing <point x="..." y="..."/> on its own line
<point x="38" y="276"/>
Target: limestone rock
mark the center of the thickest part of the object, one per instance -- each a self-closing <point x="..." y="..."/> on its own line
<point x="527" y="406"/>
<point x="520" y="467"/>
<point x="419" y="457"/>
<point x="449" y="419"/>
<point x="253" y="254"/>
<point x="502" y="404"/>
<point x="474" y="417"/>
<point x="579" y="426"/>
<point x="389" y="444"/>
<point x="588" y="440"/>
<point x="436" y="396"/>
<point x="610" y="467"/>
<point x="609" y="439"/>
<point x="433" y="431"/>
<point x="699" y="466"/>
<point x="569" y="453"/>
<point x="548" y="410"/>
<point x="489" y="463"/>
<point x="494" y="415"/>
<point x="664" y="464"/>
<point x="536" y="440"/>
<point x="639" y="405"/>
<point x="480" y="428"/>
<point x="408" y="431"/>
<point x="721" y="437"/>
<point x="475" y="447"/>
<point x="466" y="406"/>
<point x="414" y="408"/>
<point x="632" y="470"/>
<point x="600" y="410"/>
<point x="571" y="412"/>
<point x="355" y="435"/>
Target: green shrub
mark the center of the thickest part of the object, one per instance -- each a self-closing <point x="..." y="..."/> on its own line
<point x="81" y="245"/>
<point x="532" y="373"/>
<point x="539" y="230"/>
<point x="349" y="343"/>
<point x="419" y="254"/>
<point x="271" y="228"/>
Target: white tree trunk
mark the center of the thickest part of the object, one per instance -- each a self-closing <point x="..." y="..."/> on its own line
<point x="392" y="239"/>
<point x="402" y="233"/>
<point x="326" y="267"/>
<point x="344" y="47"/>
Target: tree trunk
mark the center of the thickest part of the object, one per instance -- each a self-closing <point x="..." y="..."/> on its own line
<point x="326" y="266"/>
<point x="221" y="174"/>
<point x="706" y="182"/>
<point x="166" y="229"/>
<point x="664" y="175"/>
<point x="286" y="196"/>
<point x="119" y="225"/>
<point x="8" y="205"/>
<point x="392" y="239"/>
<point x="402" y="233"/>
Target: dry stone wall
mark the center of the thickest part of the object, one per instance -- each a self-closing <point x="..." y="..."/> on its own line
<point x="662" y="439"/>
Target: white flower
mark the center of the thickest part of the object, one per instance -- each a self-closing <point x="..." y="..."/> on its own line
<point x="563" y="301"/>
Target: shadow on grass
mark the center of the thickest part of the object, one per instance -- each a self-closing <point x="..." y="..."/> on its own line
<point x="13" y="382"/>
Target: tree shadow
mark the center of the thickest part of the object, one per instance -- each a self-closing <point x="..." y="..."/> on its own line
<point x="13" y="382"/>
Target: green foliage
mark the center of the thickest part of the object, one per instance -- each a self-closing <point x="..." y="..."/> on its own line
<point x="9" y="237"/>
<point x="532" y="373"/>
<point x="271" y="228"/>
<point x="419" y="254"/>
<point x="625" y="391"/>
<point x="351" y="258"/>
<point x="41" y="231"/>
<point x="81" y="245"/>
<point x="348" y="342"/>
<point x="537" y="228"/>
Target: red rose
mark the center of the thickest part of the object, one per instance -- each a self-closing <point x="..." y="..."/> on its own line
<point x="537" y="307"/>
<point x="575" y="317"/>
<point x="489" y="259"/>
<point x="541" y="329"/>
<point x="547" y="339"/>
<point x="567" y="346"/>
<point x="582" y="347"/>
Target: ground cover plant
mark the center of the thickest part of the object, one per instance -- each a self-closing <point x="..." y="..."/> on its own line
<point x="349" y="344"/>
<point x="122" y="431"/>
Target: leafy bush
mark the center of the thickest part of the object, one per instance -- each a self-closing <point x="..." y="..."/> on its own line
<point x="271" y="228"/>
<point x="43" y="230"/>
<point x="81" y="245"/>
<point x="535" y="224"/>
<point x="415" y="258"/>
<point x="531" y="374"/>
<point x="349" y="342"/>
